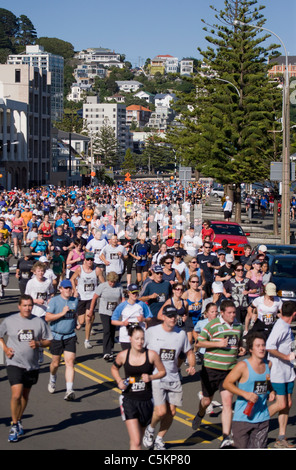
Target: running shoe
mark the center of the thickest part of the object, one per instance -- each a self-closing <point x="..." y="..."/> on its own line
<point x="283" y="444"/>
<point x="20" y="428"/>
<point x="51" y="386"/>
<point x="196" y="422"/>
<point x="87" y="344"/>
<point x="148" y="439"/>
<point x="159" y="444"/>
<point x="227" y="442"/>
<point x="69" y="396"/>
<point x="13" y="433"/>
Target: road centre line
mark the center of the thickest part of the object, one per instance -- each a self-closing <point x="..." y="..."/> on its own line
<point x="91" y="375"/>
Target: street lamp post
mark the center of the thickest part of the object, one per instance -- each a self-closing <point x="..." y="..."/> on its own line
<point x="285" y="214"/>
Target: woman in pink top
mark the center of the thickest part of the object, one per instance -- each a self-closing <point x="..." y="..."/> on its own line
<point x="18" y="226"/>
<point x="75" y="258"/>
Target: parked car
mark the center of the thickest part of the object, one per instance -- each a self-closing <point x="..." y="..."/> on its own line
<point x="233" y="233"/>
<point x="277" y="249"/>
<point x="283" y="275"/>
<point x="217" y="191"/>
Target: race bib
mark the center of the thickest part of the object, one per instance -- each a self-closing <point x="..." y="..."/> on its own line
<point x="260" y="387"/>
<point x="167" y="354"/>
<point x="41" y="295"/>
<point x="89" y="287"/>
<point x="111" y="306"/>
<point x="25" y="335"/>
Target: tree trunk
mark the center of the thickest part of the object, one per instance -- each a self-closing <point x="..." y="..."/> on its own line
<point x="237" y="202"/>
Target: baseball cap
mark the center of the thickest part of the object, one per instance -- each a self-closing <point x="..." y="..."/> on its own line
<point x="66" y="283"/>
<point x="170" y="311"/>
<point x="262" y="248"/>
<point x="43" y="259"/>
<point x="178" y="253"/>
<point x="229" y="259"/>
<point x="157" y="269"/>
<point x="89" y="255"/>
<point x="217" y="287"/>
<point x="221" y="252"/>
<point x="270" y="288"/>
<point x="133" y="288"/>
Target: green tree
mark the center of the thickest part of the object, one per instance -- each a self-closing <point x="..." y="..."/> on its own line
<point x="129" y="162"/>
<point x="27" y="33"/>
<point x="105" y="146"/>
<point x="157" y="155"/>
<point x="57" y="46"/>
<point x="237" y="105"/>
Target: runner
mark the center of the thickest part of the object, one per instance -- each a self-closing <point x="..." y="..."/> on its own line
<point x="26" y="334"/>
<point x="221" y="339"/>
<point x="169" y="342"/>
<point x="84" y="282"/>
<point x="250" y="429"/>
<point x="61" y="314"/>
<point x="141" y="367"/>
<point x="132" y="311"/>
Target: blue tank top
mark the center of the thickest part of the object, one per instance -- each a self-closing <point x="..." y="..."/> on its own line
<point x="256" y="383"/>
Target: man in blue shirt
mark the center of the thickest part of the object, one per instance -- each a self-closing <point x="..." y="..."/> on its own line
<point x="62" y="315"/>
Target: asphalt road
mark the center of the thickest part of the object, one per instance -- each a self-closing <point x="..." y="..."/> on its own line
<point x="93" y="421"/>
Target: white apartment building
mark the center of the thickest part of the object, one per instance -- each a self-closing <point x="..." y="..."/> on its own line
<point x="25" y="125"/>
<point x="96" y="115"/>
<point x="186" y="67"/>
<point x="100" y="55"/>
<point x="129" y="86"/>
<point x="35" y="56"/>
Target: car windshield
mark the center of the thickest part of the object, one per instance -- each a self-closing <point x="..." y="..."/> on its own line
<point x="285" y="267"/>
<point x="228" y="229"/>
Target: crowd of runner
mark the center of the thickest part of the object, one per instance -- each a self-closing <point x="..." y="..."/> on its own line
<point x="141" y="256"/>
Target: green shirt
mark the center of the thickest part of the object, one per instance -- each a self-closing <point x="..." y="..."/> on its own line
<point x="5" y="251"/>
<point x="221" y="358"/>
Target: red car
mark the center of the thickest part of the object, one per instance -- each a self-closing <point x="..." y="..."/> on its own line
<point x="233" y="233"/>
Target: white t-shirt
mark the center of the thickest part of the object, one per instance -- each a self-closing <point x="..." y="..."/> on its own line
<point x="267" y="313"/>
<point x="168" y="345"/>
<point x="115" y="260"/>
<point x="39" y="290"/>
<point x="96" y="247"/>
<point x="191" y="244"/>
<point x="281" y="339"/>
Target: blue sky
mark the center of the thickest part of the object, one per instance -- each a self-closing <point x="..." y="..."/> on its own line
<point x="142" y="29"/>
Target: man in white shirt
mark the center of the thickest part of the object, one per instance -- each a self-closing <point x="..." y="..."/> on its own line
<point x="113" y="256"/>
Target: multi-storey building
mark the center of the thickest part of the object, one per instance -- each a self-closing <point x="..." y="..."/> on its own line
<point x="101" y="56"/>
<point x="35" y="56"/>
<point x="186" y="67"/>
<point x="138" y="115"/>
<point x="25" y="125"/>
<point x="96" y="115"/>
<point x="280" y="64"/>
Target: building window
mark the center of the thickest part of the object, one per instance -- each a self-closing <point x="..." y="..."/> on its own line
<point x="17" y="76"/>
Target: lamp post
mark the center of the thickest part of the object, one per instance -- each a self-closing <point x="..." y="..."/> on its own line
<point x="285" y="215"/>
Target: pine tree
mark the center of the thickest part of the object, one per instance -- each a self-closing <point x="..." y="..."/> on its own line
<point x="27" y="32"/>
<point x="236" y="105"/>
<point x="105" y="146"/>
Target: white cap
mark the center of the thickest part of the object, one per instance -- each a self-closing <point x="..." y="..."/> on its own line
<point x="217" y="287"/>
<point x="229" y="258"/>
<point x="43" y="259"/>
<point x="262" y="248"/>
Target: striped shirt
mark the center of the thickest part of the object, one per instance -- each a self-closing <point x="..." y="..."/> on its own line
<point x="221" y="358"/>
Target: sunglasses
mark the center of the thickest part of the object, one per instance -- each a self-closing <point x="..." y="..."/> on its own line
<point x="239" y="269"/>
<point x="170" y="315"/>
<point x="135" y="292"/>
<point x="179" y="288"/>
